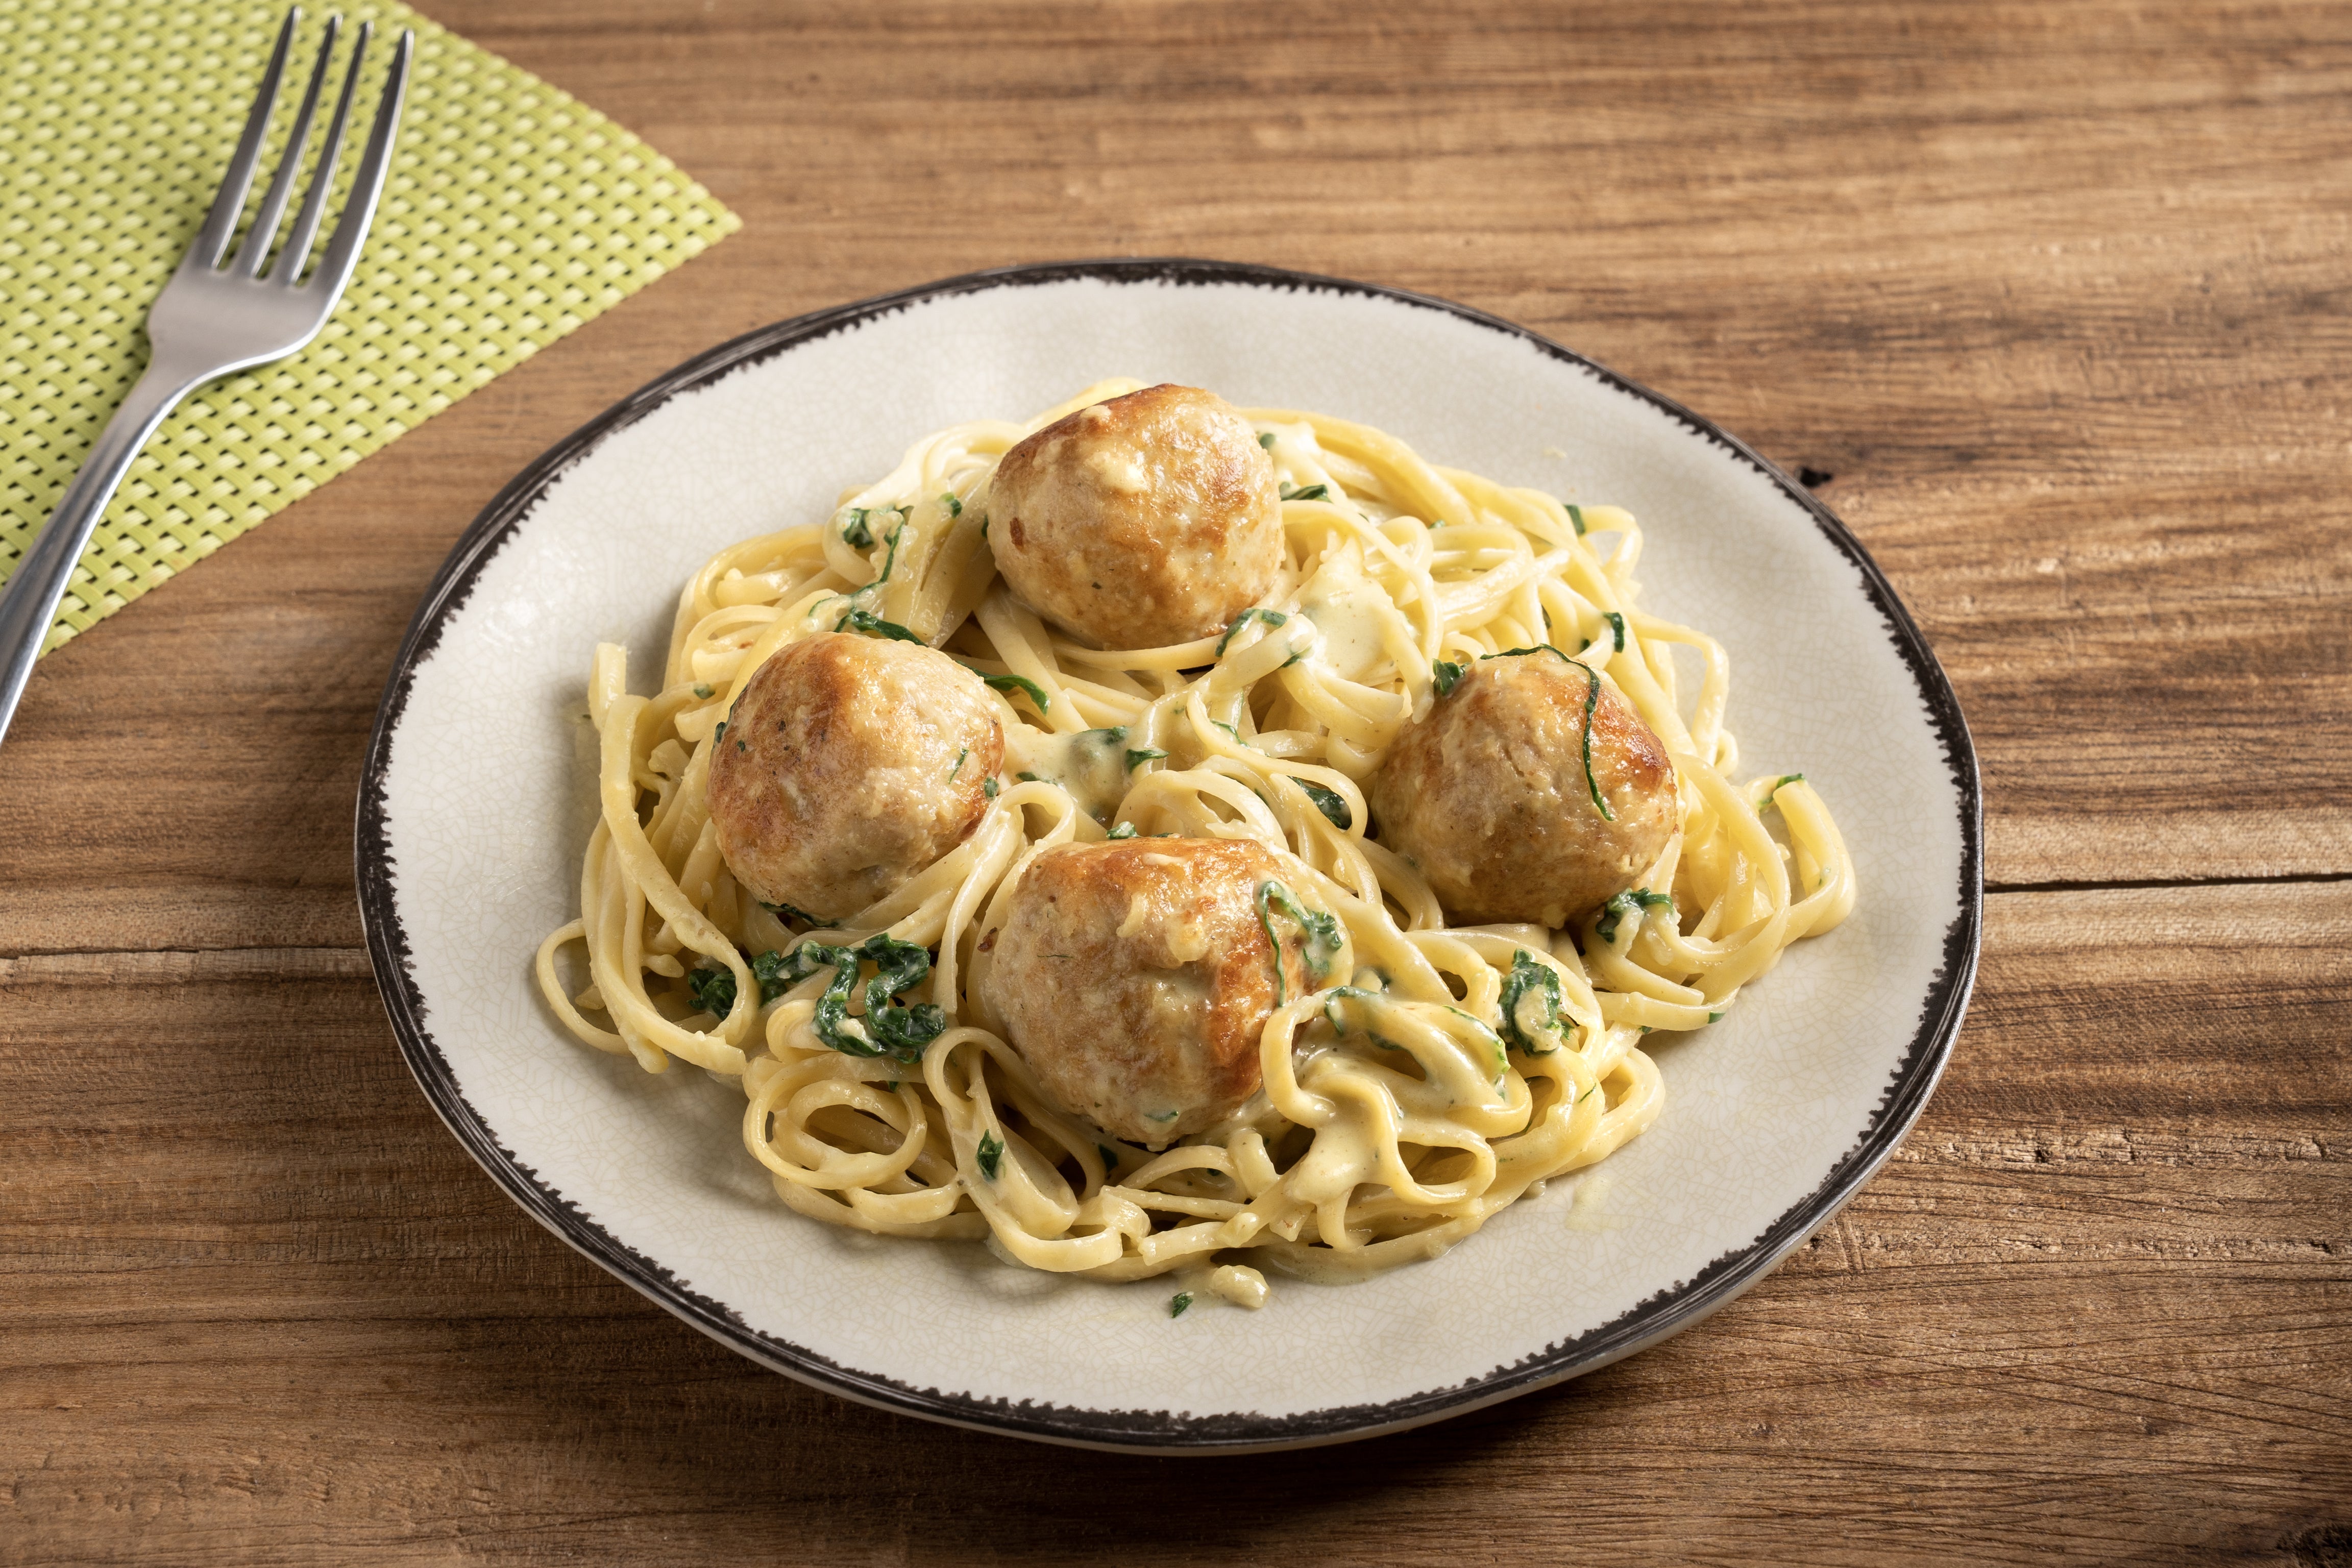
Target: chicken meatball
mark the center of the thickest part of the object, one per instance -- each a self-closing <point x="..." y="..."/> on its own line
<point x="1134" y="977"/>
<point x="1487" y="795"/>
<point x="1148" y="520"/>
<point x="848" y="764"/>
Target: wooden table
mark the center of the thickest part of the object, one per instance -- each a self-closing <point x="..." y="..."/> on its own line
<point x="2053" y="300"/>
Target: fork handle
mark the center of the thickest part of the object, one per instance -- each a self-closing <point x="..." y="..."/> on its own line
<point x="29" y="604"/>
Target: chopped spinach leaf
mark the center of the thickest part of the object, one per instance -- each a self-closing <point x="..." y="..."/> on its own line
<point x="954" y="502"/>
<point x="1124" y="830"/>
<point x="888" y="1028"/>
<point x="1021" y="683"/>
<point x="1445" y="675"/>
<point x="1531" y="1005"/>
<point x="1617" y="628"/>
<point x="989" y="1154"/>
<point x="1632" y="903"/>
<point x="1784" y="779"/>
<point x="1323" y="937"/>
<point x="874" y="625"/>
<point x="1138" y="756"/>
<point x="1109" y="1159"/>
<point x="988" y="788"/>
<point x="787" y="912"/>
<point x="855" y="532"/>
<point x="1025" y="776"/>
<point x="1178" y="1302"/>
<point x="713" y="990"/>
<point x="1330" y="803"/>
<point x="1271" y="617"/>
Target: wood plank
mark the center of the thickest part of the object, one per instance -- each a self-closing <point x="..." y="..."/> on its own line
<point x="2098" y="1309"/>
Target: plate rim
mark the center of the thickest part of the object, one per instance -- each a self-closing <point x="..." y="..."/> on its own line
<point x="1655" y="1318"/>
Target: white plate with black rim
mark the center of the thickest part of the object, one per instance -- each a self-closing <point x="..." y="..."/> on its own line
<point x="477" y="800"/>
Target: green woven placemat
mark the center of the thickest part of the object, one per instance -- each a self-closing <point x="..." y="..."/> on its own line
<point x="512" y="214"/>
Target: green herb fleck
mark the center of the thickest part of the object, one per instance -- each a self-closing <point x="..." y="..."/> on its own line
<point x="787" y="912"/>
<point x="874" y="625"/>
<point x="1616" y="626"/>
<point x="855" y="532"/>
<point x="1322" y="932"/>
<point x="953" y="504"/>
<point x="1446" y="675"/>
<point x="1124" y="830"/>
<point x="713" y="990"/>
<point x="1714" y="1018"/>
<point x="990" y="1153"/>
<point x="1178" y="1302"/>
<point x="742" y="747"/>
<point x="1265" y="439"/>
<point x="1312" y="492"/>
<point x="1109" y="1159"/>
<point x="1271" y="617"/>
<point x="1022" y="684"/>
<point x="1576" y="516"/>
<point x="1138" y="756"/>
<point x="719" y="734"/>
<point x="1330" y="803"/>
<point x="702" y="691"/>
<point x="1631" y="903"/>
<point x="1530" y="1004"/>
<point x="961" y="752"/>
<point x="1784" y="779"/>
<point x="1025" y="776"/>
<point x="888" y="1028"/>
<point x="988" y="788"/>
<point x="768" y="969"/>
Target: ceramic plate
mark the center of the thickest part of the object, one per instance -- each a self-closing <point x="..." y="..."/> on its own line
<point x="477" y="800"/>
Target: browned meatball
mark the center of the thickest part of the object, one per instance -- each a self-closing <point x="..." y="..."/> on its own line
<point x="1148" y="520"/>
<point x="1134" y="977"/>
<point x="850" y="764"/>
<point x="1487" y="795"/>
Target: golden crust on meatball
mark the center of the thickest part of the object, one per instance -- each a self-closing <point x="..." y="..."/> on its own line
<point x="1144" y="521"/>
<point x="1486" y="793"/>
<point x="1135" y="978"/>
<point x="848" y="764"/>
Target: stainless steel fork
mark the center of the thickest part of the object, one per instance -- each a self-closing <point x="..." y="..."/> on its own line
<point x="211" y="320"/>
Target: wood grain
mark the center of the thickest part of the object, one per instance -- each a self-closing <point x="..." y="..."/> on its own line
<point x="2054" y="295"/>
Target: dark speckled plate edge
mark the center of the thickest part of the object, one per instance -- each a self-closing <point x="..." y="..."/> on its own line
<point x="1666" y="1313"/>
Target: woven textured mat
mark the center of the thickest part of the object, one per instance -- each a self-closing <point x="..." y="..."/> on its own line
<point x="511" y="214"/>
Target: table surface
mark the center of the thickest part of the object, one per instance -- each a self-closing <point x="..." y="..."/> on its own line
<point x="2051" y="300"/>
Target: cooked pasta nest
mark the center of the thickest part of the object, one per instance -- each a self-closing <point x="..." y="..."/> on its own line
<point x="1458" y="1071"/>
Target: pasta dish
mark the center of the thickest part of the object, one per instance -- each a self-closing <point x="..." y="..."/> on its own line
<point x="1160" y="837"/>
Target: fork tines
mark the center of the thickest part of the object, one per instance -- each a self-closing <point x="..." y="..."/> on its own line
<point x="254" y="256"/>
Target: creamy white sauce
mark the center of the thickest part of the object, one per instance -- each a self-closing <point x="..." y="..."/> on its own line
<point x="1091" y="765"/>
